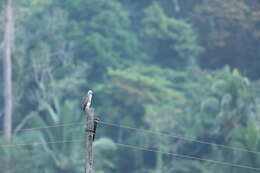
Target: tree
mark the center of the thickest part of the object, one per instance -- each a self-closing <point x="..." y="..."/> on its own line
<point x="59" y="157"/>
<point x="144" y="96"/>
<point x="104" y="154"/>
<point x="46" y="76"/>
<point x="7" y="67"/>
<point x="140" y="58"/>
<point x="102" y="34"/>
<point x="46" y="72"/>
<point x="246" y="137"/>
<point x="171" y="42"/>
<point x="24" y="159"/>
<point x="229" y="33"/>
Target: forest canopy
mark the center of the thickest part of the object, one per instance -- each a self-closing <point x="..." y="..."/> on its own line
<point x="186" y="68"/>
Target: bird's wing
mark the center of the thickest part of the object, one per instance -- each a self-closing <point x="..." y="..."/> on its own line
<point x="84" y="102"/>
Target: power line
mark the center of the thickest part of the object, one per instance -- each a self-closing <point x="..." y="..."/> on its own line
<point x="40" y="143"/>
<point x="47" y="127"/>
<point x="188" y="157"/>
<point x="181" y="137"/>
<point x="139" y="148"/>
<point x="146" y="131"/>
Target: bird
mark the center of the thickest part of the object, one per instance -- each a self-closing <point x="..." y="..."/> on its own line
<point x="87" y="100"/>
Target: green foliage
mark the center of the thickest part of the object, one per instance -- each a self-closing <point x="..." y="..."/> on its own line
<point x="61" y="157"/>
<point x="147" y="67"/>
<point x="103" y="34"/>
<point x="234" y="102"/>
<point x="104" y="152"/>
<point x="229" y="33"/>
<point x="182" y="166"/>
<point x="173" y="41"/>
<point x="245" y="137"/>
<point x="23" y="159"/>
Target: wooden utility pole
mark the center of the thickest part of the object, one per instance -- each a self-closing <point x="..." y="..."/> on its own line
<point x="89" y="139"/>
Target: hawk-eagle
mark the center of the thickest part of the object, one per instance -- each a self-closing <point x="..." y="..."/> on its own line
<point x="87" y="100"/>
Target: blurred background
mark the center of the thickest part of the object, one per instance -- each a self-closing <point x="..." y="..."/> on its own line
<point x="188" y="70"/>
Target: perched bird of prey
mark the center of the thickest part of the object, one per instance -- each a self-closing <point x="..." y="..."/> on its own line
<point x="87" y="100"/>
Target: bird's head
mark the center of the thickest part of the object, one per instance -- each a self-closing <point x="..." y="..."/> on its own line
<point x="90" y="92"/>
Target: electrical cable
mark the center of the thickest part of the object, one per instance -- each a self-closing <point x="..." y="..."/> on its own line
<point x="40" y="143"/>
<point x="146" y="131"/>
<point x="47" y="127"/>
<point x="180" y="137"/>
<point x="138" y="148"/>
<point x="188" y="157"/>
